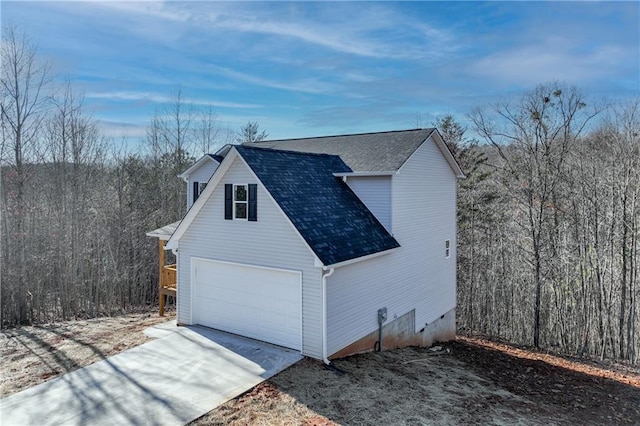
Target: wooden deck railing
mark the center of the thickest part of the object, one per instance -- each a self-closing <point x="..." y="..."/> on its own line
<point x="167" y="285"/>
<point x="169" y="276"/>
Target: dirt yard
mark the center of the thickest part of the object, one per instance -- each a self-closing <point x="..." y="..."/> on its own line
<point x="35" y="354"/>
<point x="469" y="381"/>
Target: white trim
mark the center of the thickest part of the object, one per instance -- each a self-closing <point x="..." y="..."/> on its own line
<point x="353" y="174"/>
<point x="448" y="156"/>
<point x="317" y="261"/>
<point x="192" y="289"/>
<point x="246" y="202"/>
<point x="185" y="175"/>
<point x="163" y="233"/>
<point x="325" y="354"/>
<point x="391" y="207"/>
<point x="202" y="199"/>
<point x="359" y="259"/>
<point x="208" y="191"/>
<point x="222" y="152"/>
<point x="250" y="265"/>
<point x="453" y="163"/>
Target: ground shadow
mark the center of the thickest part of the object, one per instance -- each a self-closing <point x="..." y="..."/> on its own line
<point x="467" y="385"/>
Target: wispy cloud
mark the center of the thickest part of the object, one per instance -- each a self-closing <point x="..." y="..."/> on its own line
<point x="329" y="39"/>
<point x="532" y="64"/>
<point x="367" y="33"/>
<point x="121" y="129"/>
<point x="163" y="99"/>
<point x="151" y="9"/>
<point x="306" y="85"/>
<point x="331" y="67"/>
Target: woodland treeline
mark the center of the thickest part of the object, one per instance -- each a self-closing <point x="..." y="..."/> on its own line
<point x="549" y="222"/>
<point x="548" y="217"/>
<point x="76" y="205"/>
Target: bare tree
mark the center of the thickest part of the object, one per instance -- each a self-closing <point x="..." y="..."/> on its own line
<point x="25" y="96"/>
<point x="476" y="197"/>
<point x="76" y="152"/>
<point x="206" y="131"/>
<point x="170" y="139"/>
<point x="533" y="137"/>
<point x="250" y="133"/>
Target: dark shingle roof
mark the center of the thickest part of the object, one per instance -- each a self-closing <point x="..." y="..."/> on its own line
<point x="366" y="152"/>
<point x="329" y="216"/>
<point x="218" y="158"/>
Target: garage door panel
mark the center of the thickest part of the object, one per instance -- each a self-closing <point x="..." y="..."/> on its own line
<point x="256" y="302"/>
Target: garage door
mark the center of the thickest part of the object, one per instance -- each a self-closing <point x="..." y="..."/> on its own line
<point x="261" y="303"/>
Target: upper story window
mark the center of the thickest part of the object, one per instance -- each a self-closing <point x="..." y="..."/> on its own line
<point x="198" y="188"/>
<point x="447" y="248"/>
<point x="241" y="201"/>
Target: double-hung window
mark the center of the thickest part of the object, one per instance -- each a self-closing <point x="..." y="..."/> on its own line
<point x="240" y="202"/>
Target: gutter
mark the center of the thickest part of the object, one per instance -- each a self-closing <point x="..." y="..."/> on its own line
<point x="365" y="174"/>
<point x="359" y="259"/>
<point x="324" y="315"/>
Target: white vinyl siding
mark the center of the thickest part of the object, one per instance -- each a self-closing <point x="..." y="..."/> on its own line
<point x="416" y="276"/>
<point x="375" y="193"/>
<point x="201" y="174"/>
<point x="271" y="242"/>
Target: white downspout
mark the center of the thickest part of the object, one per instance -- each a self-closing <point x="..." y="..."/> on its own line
<point x="324" y="315"/>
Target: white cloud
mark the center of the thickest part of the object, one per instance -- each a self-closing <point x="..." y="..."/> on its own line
<point x="332" y="39"/>
<point x="549" y="61"/>
<point x="117" y="129"/>
<point x="152" y="97"/>
<point x="307" y="85"/>
<point x="341" y="27"/>
<point x="153" y="9"/>
<point x="374" y="31"/>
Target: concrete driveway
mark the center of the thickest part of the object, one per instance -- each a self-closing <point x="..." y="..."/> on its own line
<point x="173" y="380"/>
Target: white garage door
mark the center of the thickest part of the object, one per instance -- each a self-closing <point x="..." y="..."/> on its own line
<point x="261" y="303"/>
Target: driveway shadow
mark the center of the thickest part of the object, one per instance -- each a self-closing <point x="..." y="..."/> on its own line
<point x="171" y="380"/>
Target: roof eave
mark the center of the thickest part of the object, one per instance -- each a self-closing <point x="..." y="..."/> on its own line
<point x="165" y="232"/>
<point x="354" y="174"/>
<point x="360" y="259"/>
<point x="195" y="165"/>
<point x="172" y="243"/>
<point x="448" y="155"/>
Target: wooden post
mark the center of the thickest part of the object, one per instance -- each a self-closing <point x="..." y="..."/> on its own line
<point x="161" y="261"/>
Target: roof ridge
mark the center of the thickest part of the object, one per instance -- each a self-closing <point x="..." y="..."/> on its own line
<point x="264" y="148"/>
<point x="342" y="135"/>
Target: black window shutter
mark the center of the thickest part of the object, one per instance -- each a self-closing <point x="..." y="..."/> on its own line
<point x="253" y="202"/>
<point x="228" y="201"/>
<point x="196" y="193"/>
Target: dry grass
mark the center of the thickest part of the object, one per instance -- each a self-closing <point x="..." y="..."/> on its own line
<point x="470" y="384"/>
<point x="474" y="382"/>
<point x="35" y="354"/>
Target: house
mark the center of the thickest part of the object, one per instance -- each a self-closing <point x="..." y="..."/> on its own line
<point x="321" y="244"/>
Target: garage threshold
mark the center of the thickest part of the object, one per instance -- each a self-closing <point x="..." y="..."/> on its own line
<point x="183" y="374"/>
<point x="262" y="353"/>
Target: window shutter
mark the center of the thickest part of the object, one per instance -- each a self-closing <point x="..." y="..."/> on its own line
<point x="196" y="193"/>
<point x="253" y="202"/>
<point x="228" y="201"/>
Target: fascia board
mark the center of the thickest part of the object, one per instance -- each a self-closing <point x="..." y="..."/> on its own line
<point x="202" y="199"/>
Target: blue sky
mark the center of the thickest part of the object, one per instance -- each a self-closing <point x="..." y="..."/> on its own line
<point x="305" y="68"/>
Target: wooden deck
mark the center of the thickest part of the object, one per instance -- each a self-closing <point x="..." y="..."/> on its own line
<point x="166" y="273"/>
<point x="167" y="285"/>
